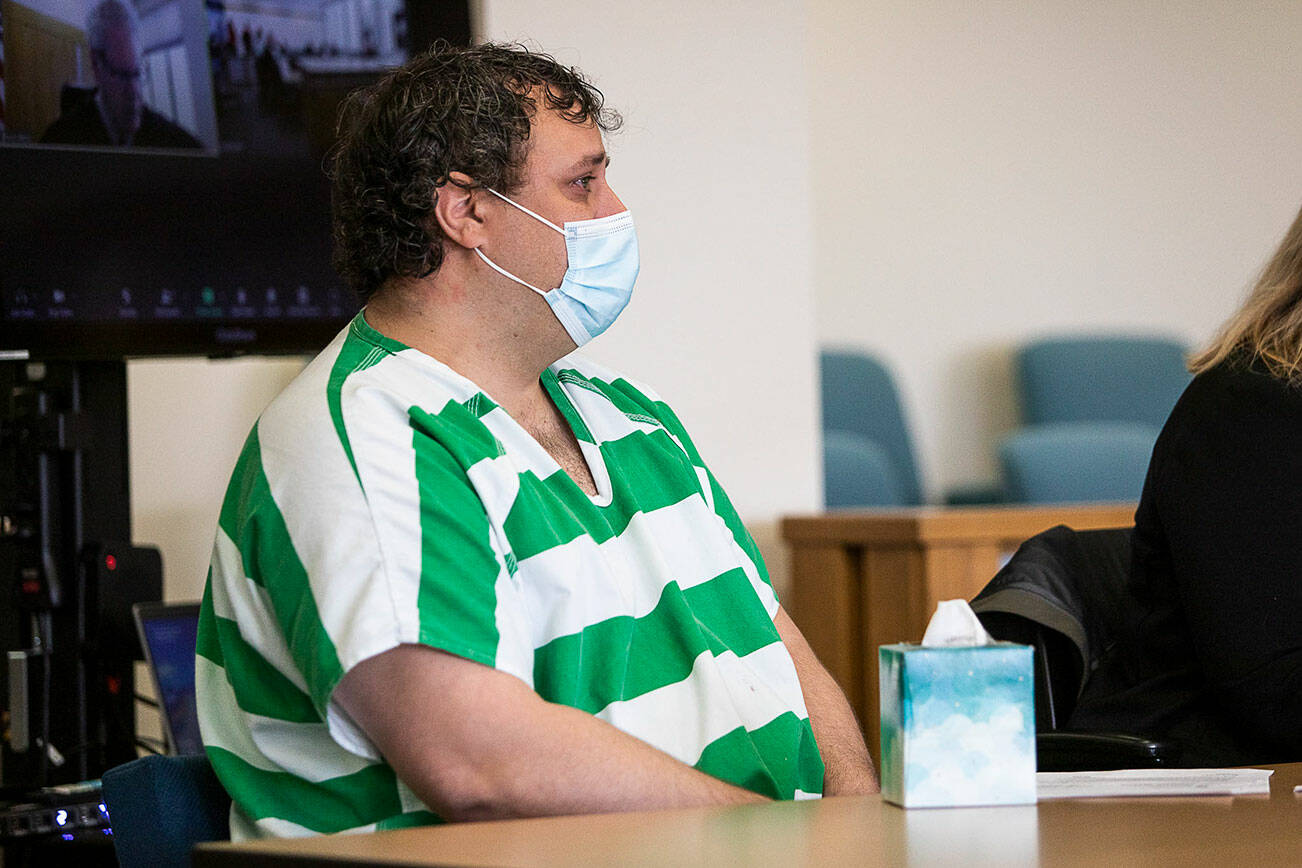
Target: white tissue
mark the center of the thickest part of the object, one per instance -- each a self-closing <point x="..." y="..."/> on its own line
<point x="955" y="624"/>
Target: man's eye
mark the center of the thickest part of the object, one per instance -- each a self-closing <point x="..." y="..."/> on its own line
<point x="585" y="182"/>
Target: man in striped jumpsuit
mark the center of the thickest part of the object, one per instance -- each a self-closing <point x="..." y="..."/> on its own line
<point x="462" y="572"/>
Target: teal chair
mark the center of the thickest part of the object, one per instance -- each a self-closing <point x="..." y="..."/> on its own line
<point x="858" y="472"/>
<point x="1077" y="462"/>
<point x="161" y="806"/>
<point x="1092" y="407"/>
<point x="1104" y="378"/>
<point x="867" y="452"/>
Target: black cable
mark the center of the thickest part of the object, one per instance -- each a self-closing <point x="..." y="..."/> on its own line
<point x="152" y="703"/>
<point x="46" y="633"/>
<point x="149" y="745"/>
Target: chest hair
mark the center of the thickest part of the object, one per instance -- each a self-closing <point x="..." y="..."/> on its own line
<point x="556" y="437"/>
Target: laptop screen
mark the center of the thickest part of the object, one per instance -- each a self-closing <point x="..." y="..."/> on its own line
<point x="167" y="633"/>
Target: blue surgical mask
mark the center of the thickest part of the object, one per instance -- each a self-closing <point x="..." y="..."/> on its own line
<point x="598" y="282"/>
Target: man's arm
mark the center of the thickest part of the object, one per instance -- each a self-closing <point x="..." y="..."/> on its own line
<point x="476" y="744"/>
<point x="849" y="768"/>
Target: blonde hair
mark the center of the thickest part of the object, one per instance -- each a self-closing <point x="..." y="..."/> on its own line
<point x="1269" y="324"/>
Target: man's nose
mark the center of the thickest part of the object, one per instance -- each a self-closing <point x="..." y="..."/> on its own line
<point x="611" y="204"/>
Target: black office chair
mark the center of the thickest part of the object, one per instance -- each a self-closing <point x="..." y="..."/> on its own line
<point x="1065" y="593"/>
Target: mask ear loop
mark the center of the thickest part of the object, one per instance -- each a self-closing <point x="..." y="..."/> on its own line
<point x="537" y="217"/>
<point x="508" y="275"/>
<point x="499" y="269"/>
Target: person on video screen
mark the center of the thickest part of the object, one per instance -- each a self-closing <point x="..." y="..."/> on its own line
<point x="117" y="114"/>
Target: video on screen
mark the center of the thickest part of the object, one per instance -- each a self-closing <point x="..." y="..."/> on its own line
<point x="189" y="76"/>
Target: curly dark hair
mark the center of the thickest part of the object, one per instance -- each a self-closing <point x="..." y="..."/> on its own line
<point x="452" y="109"/>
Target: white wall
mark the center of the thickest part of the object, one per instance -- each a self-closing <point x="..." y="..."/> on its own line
<point x="722" y="323"/>
<point x="984" y="172"/>
<point x="713" y="162"/>
<point x="188" y="420"/>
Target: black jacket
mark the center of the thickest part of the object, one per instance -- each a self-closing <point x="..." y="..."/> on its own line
<point x="83" y="125"/>
<point x="1215" y="655"/>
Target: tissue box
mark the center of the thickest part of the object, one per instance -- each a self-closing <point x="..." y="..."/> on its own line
<point x="958" y="725"/>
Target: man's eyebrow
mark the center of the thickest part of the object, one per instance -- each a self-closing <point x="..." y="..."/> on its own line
<point x="591" y="160"/>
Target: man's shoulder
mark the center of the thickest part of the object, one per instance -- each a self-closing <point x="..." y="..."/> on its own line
<point x="81" y="125"/>
<point x="359" y="380"/>
<point x="632" y="397"/>
<point x="156" y="131"/>
<point x="581" y="369"/>
<point x="312" y="382"/>
<point x="310" y="407"/>
<point x="306" y="443"/>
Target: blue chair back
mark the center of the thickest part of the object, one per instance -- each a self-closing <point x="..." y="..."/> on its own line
<point x="1084" y="379"/>
<point x="858" y="472"/>
<point x="1077" y="462"/>
<point x="161" y="806"/>
<point x="860" y="399"/>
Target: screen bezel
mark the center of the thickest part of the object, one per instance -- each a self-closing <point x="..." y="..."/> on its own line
<point x="295" y="249"/>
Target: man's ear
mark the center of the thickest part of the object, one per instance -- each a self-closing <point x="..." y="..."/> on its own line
<point x="459" y="210"/>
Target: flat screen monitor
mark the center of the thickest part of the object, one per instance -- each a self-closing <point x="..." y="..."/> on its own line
<point x="168" y="634"/>
<point x="162" y="181"/>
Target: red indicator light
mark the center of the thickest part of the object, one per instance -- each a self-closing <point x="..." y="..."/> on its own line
<point x="114" y="684"/>
<point x="110" y="562"/>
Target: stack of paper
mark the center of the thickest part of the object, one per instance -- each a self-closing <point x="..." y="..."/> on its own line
<point x="1153" y="782"/>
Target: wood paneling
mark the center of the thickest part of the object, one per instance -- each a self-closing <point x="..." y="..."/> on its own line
<point x="40" y="57"/>
<point x="868" y="578"/>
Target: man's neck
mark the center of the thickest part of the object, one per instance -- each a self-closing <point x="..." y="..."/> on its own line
<point x="439" y="321"/>
<point x="491" y="340"/>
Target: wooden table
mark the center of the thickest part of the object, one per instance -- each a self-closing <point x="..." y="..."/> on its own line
<point x="861" y="830"/>
<point x="864" y="578"/>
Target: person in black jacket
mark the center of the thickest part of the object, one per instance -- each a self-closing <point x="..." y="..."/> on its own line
<point x="1216" y="659"/>
<point x="117" y="114"/>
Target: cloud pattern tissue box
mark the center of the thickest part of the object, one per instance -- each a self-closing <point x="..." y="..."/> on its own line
<point x="958" y="725"/>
